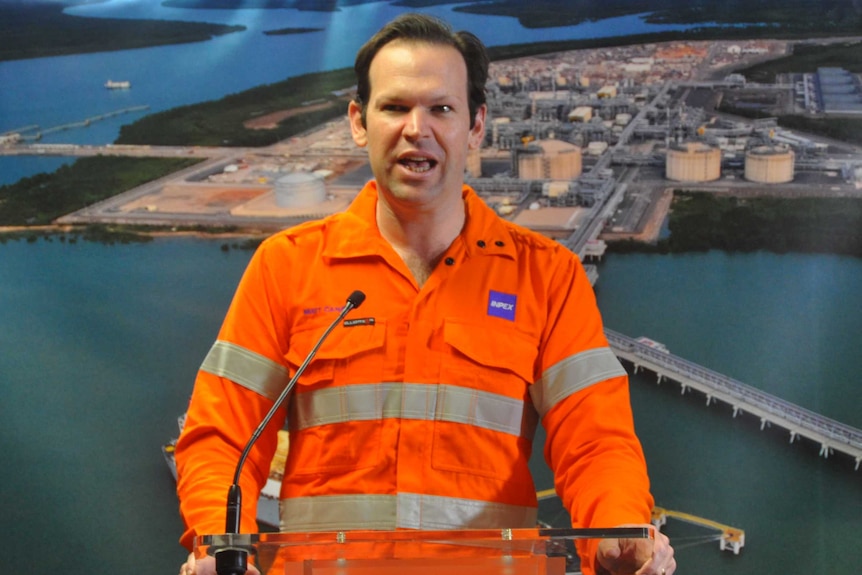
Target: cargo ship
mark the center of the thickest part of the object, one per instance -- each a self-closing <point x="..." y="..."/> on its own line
<point x="121" y="85"/>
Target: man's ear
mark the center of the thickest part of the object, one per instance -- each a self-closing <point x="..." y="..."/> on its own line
<point x="477" y="132"/>
<point x="357" y="129"/>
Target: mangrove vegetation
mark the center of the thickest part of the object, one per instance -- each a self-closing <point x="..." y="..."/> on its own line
<point x="40" y="199"/>
<point x="701" y="221"/>
<point x="223" y="122"/>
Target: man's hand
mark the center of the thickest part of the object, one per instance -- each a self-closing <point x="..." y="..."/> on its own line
<point x="206" y="566"/>
<point x="636" y="556"/>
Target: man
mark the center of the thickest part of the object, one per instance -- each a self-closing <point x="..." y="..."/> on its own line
<point x="420" y="411"/>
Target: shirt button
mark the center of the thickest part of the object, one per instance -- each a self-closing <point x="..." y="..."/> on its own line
<point x="481" y="243"/>
<point x="449" y="261"/>
<point x="499" y="244"/>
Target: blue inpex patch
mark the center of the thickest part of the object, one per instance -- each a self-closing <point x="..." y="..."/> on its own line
<point x="502" y="305"/>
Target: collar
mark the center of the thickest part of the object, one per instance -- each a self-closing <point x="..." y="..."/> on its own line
<point x="357" y="233"/>
<point x="484" y="233"/>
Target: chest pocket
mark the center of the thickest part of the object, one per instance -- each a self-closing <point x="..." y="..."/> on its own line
<point x="326" y="435"/>
<point x="491" y="431"/>
<point x="349" y="354"/>
<point x="503" y="352"/>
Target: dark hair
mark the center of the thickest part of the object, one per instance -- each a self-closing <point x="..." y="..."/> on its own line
<point x="424" y="28"/>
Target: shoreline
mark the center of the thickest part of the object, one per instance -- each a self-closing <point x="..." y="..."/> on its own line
<point x="48" y="31"/>
<point x="647" y="231"/>
<point x="25" y="232"/>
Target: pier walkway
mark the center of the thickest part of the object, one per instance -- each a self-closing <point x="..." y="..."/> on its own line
<point x="34" y="133"/>
<point x="830" y="434"/>
<point x="729" y="538"/>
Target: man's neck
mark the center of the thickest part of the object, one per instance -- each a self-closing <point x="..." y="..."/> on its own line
<point x="420" y="236"/>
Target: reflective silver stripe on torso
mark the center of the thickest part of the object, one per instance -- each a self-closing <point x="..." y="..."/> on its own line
<point x="573" y="374"/>
<point x="247" y="368"/>
<point x="404" y="510"/>
<point x="431" y="402"/>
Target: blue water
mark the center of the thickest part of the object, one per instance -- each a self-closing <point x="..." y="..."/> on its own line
<point x="99" y="346"/>
<point x="51" y="92"/>
<point x="791" y="326"/>
<point x="787" y="324"/>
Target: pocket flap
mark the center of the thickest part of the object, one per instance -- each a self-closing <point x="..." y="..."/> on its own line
<point x="501" y="348"/>
<point x="342" y="343"/>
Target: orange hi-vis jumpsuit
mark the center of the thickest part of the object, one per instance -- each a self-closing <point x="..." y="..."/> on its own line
<point x="419" y="409"/>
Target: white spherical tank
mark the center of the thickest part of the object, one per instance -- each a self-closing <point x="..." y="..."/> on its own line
<point x="299" y="190"/>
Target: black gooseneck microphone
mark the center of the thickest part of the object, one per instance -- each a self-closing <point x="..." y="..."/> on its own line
<point x="234" y="560"/>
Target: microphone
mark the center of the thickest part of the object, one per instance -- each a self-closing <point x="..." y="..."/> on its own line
<point x="234" y="560"/>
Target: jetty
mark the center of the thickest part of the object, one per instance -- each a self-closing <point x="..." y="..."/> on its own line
<point x="33" y="133"/>
<point x="729" y="538"/>
<point x="830" y="434"/>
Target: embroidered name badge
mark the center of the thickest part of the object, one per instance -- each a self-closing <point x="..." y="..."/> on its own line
<point x="502" y="305"/>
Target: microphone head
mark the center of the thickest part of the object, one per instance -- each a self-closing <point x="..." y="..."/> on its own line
<point x="355" y="299"/>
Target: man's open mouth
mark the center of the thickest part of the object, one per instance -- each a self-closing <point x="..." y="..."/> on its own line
<point x="418" y="164"/>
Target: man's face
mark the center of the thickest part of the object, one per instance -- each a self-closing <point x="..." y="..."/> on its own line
<point x="417" y="123"/>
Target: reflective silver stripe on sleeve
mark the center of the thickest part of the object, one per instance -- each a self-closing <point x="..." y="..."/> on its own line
<point x="247" y="368"/>
<point x="573" y="374"/>
<point x="364" y="402"/>
<point x="404" y="510"/>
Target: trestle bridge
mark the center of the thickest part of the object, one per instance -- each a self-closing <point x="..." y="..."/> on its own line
<point x="831" y="435"/>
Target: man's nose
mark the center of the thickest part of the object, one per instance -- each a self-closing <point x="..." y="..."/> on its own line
<point x="416" y="123"/>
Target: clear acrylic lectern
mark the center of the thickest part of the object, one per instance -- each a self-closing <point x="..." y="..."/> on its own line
<point x="409" y="552"/>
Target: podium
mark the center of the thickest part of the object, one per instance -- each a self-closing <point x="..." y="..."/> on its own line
<point x="532" y="551"/>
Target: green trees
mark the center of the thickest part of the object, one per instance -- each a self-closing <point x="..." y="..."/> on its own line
<point x="41" y="199"/>
<point x="702" y="221"/>
<point x="221" y="122"/>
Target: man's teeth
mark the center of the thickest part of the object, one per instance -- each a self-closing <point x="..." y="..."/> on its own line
<point x="418" y="164"/>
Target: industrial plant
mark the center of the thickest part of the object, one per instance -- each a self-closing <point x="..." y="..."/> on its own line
<point x="581" y="146"/>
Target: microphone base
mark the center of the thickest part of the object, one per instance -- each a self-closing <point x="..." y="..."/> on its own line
<point x="231" y="561"/>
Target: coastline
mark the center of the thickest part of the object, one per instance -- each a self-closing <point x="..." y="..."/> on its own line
<point x="76" y="231"/>
<point x="49" y="31"/>
<point x="276" y="112"/>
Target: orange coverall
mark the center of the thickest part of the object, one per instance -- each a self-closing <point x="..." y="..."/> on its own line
<point x="419" y="410"/>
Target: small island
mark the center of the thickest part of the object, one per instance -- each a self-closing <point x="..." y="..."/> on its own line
<point x="286" y="31"/>
<point x="43" y="29"/>
<point x="304" y="5"/>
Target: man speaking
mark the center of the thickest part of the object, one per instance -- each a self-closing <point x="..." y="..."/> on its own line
<point x="420" y="411"/>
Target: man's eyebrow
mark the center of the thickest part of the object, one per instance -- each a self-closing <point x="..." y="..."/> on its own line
<point x="392" y="96"/>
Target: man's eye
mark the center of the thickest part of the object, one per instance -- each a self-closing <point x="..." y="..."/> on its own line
<point x="444" y="108"/>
